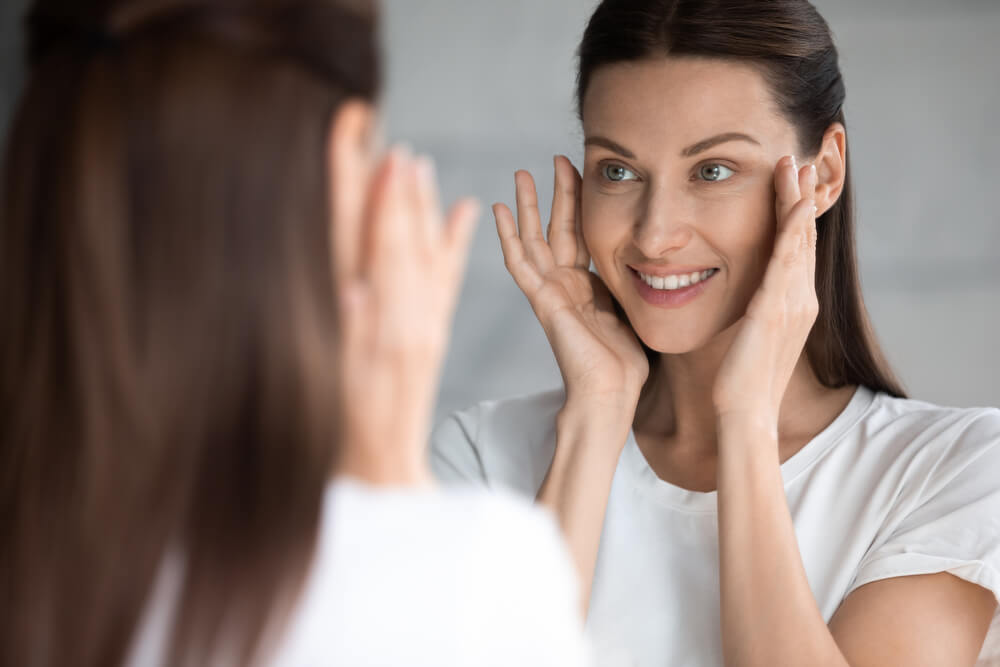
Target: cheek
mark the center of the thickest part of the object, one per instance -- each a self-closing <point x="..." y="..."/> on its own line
<point x="741" y="230"/>
<point x="606" y="225"/>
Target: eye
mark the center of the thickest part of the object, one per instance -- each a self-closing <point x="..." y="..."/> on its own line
<point x="617" y="173"/>
<point x="714" y="172"/>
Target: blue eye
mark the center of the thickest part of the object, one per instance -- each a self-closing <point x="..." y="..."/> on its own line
<point x="714" y="172"/>
<point x="618" y="173"/>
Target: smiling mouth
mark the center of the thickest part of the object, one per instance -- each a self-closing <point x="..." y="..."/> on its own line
<point x="675" y="281"/>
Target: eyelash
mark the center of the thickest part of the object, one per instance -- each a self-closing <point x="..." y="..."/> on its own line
<point x="604" y="166"/>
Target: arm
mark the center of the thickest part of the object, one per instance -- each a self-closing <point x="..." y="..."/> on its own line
<point x="602" y="364"/>
<point x="578" y="483"/>
<point x="769" y="614"/>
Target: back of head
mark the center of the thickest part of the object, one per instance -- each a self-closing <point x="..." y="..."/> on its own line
<point x="792" y="47"/>
<point x="167" y="370"/>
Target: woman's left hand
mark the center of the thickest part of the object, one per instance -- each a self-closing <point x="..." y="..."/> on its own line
<point x="395" y="320"/>
<point x="758" y="366"/>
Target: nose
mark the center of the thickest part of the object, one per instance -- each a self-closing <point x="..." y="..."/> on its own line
<point x="662" y="226"/>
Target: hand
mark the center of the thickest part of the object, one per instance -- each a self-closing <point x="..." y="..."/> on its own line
<point x="598" y="354"/>
<point x="771" y="336"/>
<point x="395" y="319"/>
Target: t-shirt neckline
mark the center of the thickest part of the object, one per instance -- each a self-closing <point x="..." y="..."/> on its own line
<point x="640" y="474"/>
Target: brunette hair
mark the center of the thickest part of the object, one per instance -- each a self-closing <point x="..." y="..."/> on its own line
<point x="168" y="380"/>
<point x="791" y="45"/>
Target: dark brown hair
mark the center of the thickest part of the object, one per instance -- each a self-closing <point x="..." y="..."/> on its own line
<point x="167" y="355"/>
<point x="790" y="43"/>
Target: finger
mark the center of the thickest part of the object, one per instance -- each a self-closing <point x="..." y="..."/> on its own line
<point x="807" y="178"/>
<point x="790" y="260"/>
<point x="370" y="232"/>
<point x="520" y="267"/>
<point x="807" y="186"/>
<point x="458" y="232"/>
<point x="582" y="253"/>
<point x="428" y="202"/>
<point x="786" y="187"/>
<point x="353" y="304"/>
<point x="393" y="222"/>
<point x="563" y="237"/>
<point x="529" y="222"/>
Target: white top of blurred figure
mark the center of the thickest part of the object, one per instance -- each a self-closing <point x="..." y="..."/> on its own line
<point x="420" y="578"/>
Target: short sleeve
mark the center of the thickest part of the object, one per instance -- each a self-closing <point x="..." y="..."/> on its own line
<point x="955" y="524"/>
<point x="454" y="457"/>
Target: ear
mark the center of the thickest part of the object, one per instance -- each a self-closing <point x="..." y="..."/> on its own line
<point x="351" y="150"/>
<point x="831" y="167"/>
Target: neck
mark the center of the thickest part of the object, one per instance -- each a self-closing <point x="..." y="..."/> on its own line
<point x="676" y="406"/>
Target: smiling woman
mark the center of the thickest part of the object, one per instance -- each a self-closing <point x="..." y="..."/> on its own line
<point x="740" y="477"/>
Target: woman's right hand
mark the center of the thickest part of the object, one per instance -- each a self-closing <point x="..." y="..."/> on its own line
<point x="601" y="361"/>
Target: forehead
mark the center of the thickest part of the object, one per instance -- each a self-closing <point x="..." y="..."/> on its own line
<point x="680" y="100"/>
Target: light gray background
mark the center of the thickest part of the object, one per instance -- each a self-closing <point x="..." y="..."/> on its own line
<point x="485" y="86"/>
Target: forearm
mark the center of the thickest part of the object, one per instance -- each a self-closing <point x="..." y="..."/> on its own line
<point x="576" y="488"/>
<point x="769" y="614"/>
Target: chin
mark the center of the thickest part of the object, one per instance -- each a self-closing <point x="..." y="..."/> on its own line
<point x="674" y="340"/>
<point x="683" y="334"/>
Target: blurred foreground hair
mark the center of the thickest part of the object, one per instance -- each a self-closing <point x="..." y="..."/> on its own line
<point x="168" y="382"/>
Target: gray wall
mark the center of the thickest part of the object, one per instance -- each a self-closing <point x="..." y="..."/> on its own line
<point x="486" y="87"/>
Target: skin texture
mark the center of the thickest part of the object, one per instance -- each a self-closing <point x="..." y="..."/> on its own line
<point x="733" y="395"/>
<point x="388" y="230"/>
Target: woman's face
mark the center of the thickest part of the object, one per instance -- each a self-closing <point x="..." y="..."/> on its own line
<point x="678" y="189"/>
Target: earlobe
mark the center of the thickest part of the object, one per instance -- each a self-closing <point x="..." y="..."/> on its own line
<point x="831" y="168"/>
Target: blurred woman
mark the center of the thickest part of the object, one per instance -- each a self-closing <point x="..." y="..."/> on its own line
<point x="224" y="317"/>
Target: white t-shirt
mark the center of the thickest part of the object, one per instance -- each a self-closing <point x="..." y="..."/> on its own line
<point x="892" y="487"/>
<point x="420" y="578"/>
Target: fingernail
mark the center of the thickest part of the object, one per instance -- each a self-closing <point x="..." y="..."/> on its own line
<point x="812" y="173"/>
<point x="795" y="164"/>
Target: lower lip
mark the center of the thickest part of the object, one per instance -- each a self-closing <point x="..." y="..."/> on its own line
<point x="669" y="298"/>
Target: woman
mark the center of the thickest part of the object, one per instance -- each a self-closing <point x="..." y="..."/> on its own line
<point x="738" y="474"/>
<point x="204" y="459"/>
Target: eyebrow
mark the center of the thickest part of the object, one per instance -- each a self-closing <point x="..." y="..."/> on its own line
<point x="693" y="149"/>
<point x="705" y="144"/>
<point x="610" y="145"/>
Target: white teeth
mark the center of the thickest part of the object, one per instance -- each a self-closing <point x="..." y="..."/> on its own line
<point x="676" y="281"/>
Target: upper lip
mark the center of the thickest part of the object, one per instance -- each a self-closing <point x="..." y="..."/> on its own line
<point x="664" y="271"/>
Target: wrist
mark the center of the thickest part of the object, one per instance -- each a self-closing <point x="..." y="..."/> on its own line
<point x="616" y="406"/>
<point x="591" y="433"/>
<point x="385" y="468"/>
<point x="746" y="432"/>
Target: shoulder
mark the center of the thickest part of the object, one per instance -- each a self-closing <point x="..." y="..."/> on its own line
<point x="942" y="492"/>
<point x="944" y="439"/>
<point x="507" y="443"/>
<point x="427" y="567"/>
